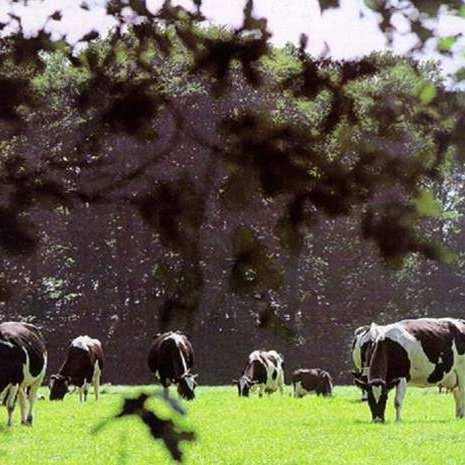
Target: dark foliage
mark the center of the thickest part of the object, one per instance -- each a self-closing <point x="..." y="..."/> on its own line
<point x="166" y="430"/>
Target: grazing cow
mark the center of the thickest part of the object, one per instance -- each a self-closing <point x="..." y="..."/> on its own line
<point x="307" y="380"/>
<point x="423" y="352"/>
<point x="361" y="343"/>
<point x="23" y="362"/>
<point x="83" y="365"/>
<point x="171" y="359"/>
<point x="264" y="369"/>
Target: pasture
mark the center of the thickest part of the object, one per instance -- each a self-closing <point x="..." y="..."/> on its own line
<point x="244" y="431"/>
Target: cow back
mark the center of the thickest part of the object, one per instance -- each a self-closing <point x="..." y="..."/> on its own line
<point x="167" y="353"/>
<point x="18" y="337"/>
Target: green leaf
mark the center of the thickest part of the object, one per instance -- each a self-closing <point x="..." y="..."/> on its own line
<point x="446" y="43"/>
<point x="427" y="205"/>
<point x="427" y="93"/>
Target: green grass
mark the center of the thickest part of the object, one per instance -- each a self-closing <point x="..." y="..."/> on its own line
<point x="234" y="431"/>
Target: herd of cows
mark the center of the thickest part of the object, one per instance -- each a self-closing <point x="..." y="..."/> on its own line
<point x="421" y="352"/>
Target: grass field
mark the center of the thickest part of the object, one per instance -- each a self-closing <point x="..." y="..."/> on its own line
<point x="235" y="431"/>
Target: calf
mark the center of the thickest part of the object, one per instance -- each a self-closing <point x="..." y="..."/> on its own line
<point x="23" y="362"/>
<point x="171" y="359"/>
<point x="83" y="365"/>
<point x="264" y="369"/>
<point x="423" y="352"/>
<point x="306" y="380"/>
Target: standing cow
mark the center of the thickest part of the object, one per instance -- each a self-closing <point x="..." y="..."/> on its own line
<point x="23" y="362"/>
<point x="264" y="369"/>
<point x="171" y="359"/>
<point x="83" y="365"/>
<point x="423" y="352"/>
<point x="306" y="380"/>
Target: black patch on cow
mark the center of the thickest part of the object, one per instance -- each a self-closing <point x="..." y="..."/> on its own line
<point x="389" y="361"/>
<point x="256" y="371"/>
<point x="12" y="358"/>
<point x="436" y="338"/>
<point x="274" y="374"/>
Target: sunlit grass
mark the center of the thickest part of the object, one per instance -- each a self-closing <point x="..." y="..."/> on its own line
<point x="233" y="431"/>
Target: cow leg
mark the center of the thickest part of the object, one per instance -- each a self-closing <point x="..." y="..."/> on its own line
<point x="364" y="395"/>
<point x="23" y="404"/>
<point x="96" y="384"/>
<point x="10" y="402"/>
<point x="459" y="394"/>
<point x="81" y="393"/>
<point x="399" y="398"/>
<point x="32" y="397"/>
<point x="281" y="383"/>
<point x="458" y="402"/>
<point x="85" y="388"/>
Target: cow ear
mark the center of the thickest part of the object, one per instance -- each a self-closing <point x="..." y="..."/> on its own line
<point x="393" y="383"/>
<point x="235" y="381"/>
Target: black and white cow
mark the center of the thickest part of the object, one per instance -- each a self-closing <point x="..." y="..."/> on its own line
<point x="361" y="343"/>
<point x="23" y="362"/>
<point x="307" y="380"/>
<point x="423" y="352"/>
<point x="264" y="369"/>
<point x="83" y="366"/>
<point x="171" y="359"/>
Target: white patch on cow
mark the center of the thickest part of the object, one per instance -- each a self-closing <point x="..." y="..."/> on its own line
<point x="299" y="390"/>
<point x="96" y="379"/>
<point x="190" y="383"/>
<point x="4" y="393"/>
<point x="377" y="391"/>
<point x="242" y="384"/>
<point x="178" y="339"/>
<point x="361" y="338"/>
<point x="83" y="342"/>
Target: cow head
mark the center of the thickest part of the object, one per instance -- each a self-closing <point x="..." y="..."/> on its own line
<point x="377" y="391"/>
<point x="58" y="387"/>
<point x="187" y="385"/>
<point x="244" y="384"/>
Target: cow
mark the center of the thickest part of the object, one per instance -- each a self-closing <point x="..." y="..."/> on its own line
<point x="171" y="359"/>
<point x="23" y="362"/>
<point x="264" y="369"/>
<point x="306" y="380"/>
<point x="423" y="352"/>
<point x="83" y="366"/>
<point x="361" y="342"/>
